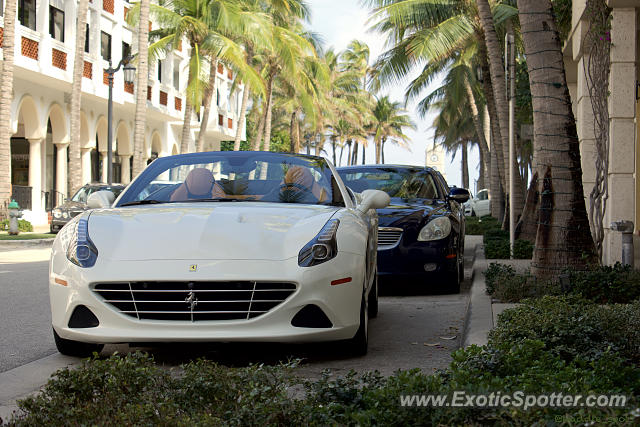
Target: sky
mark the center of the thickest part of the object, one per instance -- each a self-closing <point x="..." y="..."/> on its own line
<point x="340" y="21"/>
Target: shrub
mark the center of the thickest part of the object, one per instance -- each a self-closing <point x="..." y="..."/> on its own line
<point x="572" y="328"/>
<point x="23" y="225"/>
<point x="506" y="285"/>
<point x="132" y="390"/>
<point x="607" y="284"/>
<point x="478" y="225"/>
<point x="497" y="273"/>
<point x="498" y="248"/>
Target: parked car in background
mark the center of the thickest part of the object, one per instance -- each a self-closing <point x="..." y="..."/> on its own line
<point x="78" y="203"/>
<point x="421" y="233"/>
<point x="479" y="205"/>
<point x="237" y="246"/>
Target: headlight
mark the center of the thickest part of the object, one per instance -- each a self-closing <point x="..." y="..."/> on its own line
<point x="57" y="213"/>
<point x="321" y="248"/>
<point x="80" y="250"/>
<point x="65" y="214"/>
<point x="436" y="229"/>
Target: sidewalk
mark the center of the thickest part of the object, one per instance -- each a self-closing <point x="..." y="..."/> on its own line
<point x="483" y="313"/>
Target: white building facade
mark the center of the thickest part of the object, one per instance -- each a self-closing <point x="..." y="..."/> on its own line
<point x="40" y="111"/>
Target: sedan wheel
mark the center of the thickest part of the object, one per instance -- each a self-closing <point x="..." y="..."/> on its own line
<point x="454" y="278"/>
<point x="357" y="346"/>
<point x="75" y="348"/>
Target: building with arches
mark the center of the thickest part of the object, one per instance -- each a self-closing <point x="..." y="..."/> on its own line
<point x="40" y="111"/>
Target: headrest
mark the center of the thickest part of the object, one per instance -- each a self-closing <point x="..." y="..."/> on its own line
<point x="200" y="182"/>
<point x="299" y="175"/>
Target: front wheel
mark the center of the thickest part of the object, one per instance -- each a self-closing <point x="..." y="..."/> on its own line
<point x="75" y="348"/>
<point x="373" y="299"/>
<point x="453" y="279"/>
<point x="358" y="345"/>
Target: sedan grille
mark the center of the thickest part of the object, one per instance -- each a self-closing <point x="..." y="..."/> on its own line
<point x="194" y="301"/>
<point x="388" y="237"/>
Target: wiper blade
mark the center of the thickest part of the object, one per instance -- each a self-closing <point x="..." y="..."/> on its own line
<point x="143" y="202"/>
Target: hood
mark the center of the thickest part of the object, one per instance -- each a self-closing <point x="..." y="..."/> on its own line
<point x="70" y="205"/>
<point x="409" y="214"/>
<point x="199" y="231"/>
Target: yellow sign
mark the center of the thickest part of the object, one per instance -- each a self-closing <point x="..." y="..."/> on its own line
<point x="193" y="267"/>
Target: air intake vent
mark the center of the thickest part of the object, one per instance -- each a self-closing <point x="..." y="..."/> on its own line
<point x="194" y="301"/>
<point x="388" y="237"/>
<point x="311" y="316"/>
<point x="82" y="317"/>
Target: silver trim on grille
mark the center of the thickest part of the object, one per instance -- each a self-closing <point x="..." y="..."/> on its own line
<point x="194" y="301"/>
<point x="389" y="237"/>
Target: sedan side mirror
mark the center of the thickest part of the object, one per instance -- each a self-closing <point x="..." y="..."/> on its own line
<point x="100" y="199"/>
<point x="373" y="199"/>
<point x="460" y="195"/>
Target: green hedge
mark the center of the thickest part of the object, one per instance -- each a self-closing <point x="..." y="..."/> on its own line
<point x="478" y="225"/>
<point x="602" y="284"/>
<point x="23" y="225"/>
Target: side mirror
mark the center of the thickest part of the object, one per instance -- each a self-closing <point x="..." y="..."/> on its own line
<point x="100" y="199"/>
<point x="460" y="195"/>
<point x="373" y="199"/>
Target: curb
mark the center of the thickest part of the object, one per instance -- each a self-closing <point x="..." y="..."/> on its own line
<point x="25" y="244"/>
<point x="21" y="382"/>
<point x="479" y="319"/>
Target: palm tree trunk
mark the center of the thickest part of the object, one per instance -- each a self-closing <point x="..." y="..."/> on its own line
<point x="354" y="158"/>
<point x="267" y="123"/>
<point x="482" y="142"/>
<point x="465" y="166"/>
<point x="496" y="72"/>
<point x="341" y="153"/>
<point x="6" y="86"/>
<point x="142" y="81"/>
<point x="333" y="149"/>
<point x="186" y="127"/>
<point x="364" y="153"/>
<point x="257" y="140"/>
<point x="564" y="237"/>
<point x="481" y="175"/>
<point x="206" y="101"/>
<point x="242" y="119"/>
<point x="297" y="133"/>
<point x="292" y="131"/>
<point x="382" y="149"/>
<point x="74" y="177"/>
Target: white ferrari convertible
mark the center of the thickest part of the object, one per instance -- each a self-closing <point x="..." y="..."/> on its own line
<point x="220" y="246"/>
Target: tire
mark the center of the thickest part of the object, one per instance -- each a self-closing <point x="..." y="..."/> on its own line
<point x="453" y="280"/>
<point x="373" y="299"/>
<point x="473" y="213"/>
<point x="75" y="348"/>
<point x="357" y="346"/>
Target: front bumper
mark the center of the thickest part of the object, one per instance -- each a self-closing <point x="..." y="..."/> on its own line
<point x="340" y="303"/>
<point x="418" y="259"/>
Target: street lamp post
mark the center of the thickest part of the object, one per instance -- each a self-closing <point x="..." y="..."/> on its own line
<point x="129" y="77"/>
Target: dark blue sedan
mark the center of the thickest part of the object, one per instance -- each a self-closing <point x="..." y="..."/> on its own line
<point x="421" y="233"/>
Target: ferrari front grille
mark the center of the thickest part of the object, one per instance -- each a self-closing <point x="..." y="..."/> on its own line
<point x="194" y="301"/>
<point x="388" y="237"/>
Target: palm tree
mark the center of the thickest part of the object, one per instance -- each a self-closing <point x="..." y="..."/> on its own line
<point x="142" y="81"/>
<point x="6" y="86"/>
<point x="564" y="237"/>
<point x="208" y="26"/>
<point x="389" y="122"/>
<point x="74" y="177"/>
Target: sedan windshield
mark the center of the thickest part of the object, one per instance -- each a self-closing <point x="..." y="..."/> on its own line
<point x="234" y="176"/>
<point x="84" y="192"/>
<point x="404" y="183"/>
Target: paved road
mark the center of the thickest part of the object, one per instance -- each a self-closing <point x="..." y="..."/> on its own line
<point x="25" y="318"/>
<point x="408" y="332"/>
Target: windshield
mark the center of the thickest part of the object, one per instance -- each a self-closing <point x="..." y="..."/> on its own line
<point x="84" y="192"/>
<point x="403" y="183"/>
<point x="235" y="176"/>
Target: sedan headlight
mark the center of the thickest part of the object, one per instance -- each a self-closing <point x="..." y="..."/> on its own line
<point x="57" y="213"/>
<point x="65" y="214"/>
<point x="80" y="249"/>
<point x="436" y="229"/>
<point x="321" y="248"/>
